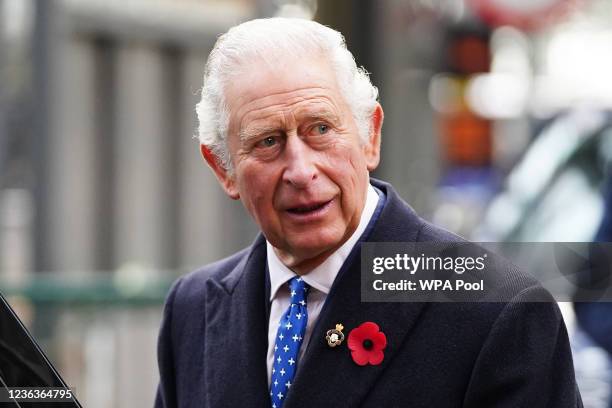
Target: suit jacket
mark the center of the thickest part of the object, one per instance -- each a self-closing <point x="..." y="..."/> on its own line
<point x="213" y="340"/>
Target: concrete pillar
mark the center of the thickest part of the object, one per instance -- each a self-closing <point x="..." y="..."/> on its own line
<point x="72" y="176"/>
<point x="140" y="158"/>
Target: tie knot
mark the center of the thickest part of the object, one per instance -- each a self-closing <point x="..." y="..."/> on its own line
<point x="299" y="290"/>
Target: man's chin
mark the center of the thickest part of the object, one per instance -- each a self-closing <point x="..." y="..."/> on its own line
<point x="311" y="254"/>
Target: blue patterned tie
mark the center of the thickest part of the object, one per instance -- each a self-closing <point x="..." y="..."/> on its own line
<point x="289" y="336"/>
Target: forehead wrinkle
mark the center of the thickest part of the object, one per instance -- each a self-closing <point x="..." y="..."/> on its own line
<point x="281" y="106"/>
<point x="288" y="104"/>
<point x="324" y="108"/>
<point x="245" y="100"/>
<point x="281" y="93"/>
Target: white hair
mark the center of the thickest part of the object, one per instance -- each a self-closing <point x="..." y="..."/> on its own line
<point x="269" y="40"/>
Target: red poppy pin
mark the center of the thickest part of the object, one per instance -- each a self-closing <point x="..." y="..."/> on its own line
<point x="367" y="343"/>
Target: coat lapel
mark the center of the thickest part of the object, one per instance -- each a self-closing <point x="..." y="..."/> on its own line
<point x="328" y="376"/>
<point x="235" y="364"/>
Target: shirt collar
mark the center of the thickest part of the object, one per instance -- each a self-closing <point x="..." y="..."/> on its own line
<point x="322" y="277"/>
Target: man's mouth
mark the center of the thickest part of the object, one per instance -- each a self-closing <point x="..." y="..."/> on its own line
<point x="308" y="208"/>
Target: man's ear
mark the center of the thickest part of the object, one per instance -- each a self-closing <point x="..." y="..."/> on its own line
<point x="225" y="179"/>
<point x="372" y="147"/>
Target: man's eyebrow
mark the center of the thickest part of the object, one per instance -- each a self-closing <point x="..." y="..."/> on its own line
<point x="254" y="131"/>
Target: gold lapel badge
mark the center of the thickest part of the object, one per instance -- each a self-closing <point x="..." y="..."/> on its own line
<point x="335" y="336"/>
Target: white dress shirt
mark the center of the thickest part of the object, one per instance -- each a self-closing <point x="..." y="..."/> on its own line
<point x="320" y="280"/>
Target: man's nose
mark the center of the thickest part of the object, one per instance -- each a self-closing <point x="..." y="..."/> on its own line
<point x="300" y="168"/>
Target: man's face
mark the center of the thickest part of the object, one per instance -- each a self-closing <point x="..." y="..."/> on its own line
<point x="300" y="167"/>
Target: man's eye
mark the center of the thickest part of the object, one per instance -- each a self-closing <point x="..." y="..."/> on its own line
<point x="267" y="142"/>
<point x="322" y="129"/>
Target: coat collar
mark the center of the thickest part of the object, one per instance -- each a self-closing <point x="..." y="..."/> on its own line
<point x="238" y="302"/>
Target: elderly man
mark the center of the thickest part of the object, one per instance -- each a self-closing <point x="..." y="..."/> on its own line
<point x="291" y="127"/>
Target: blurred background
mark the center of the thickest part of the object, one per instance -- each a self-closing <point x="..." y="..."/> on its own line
<point x="498" y="127"/>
